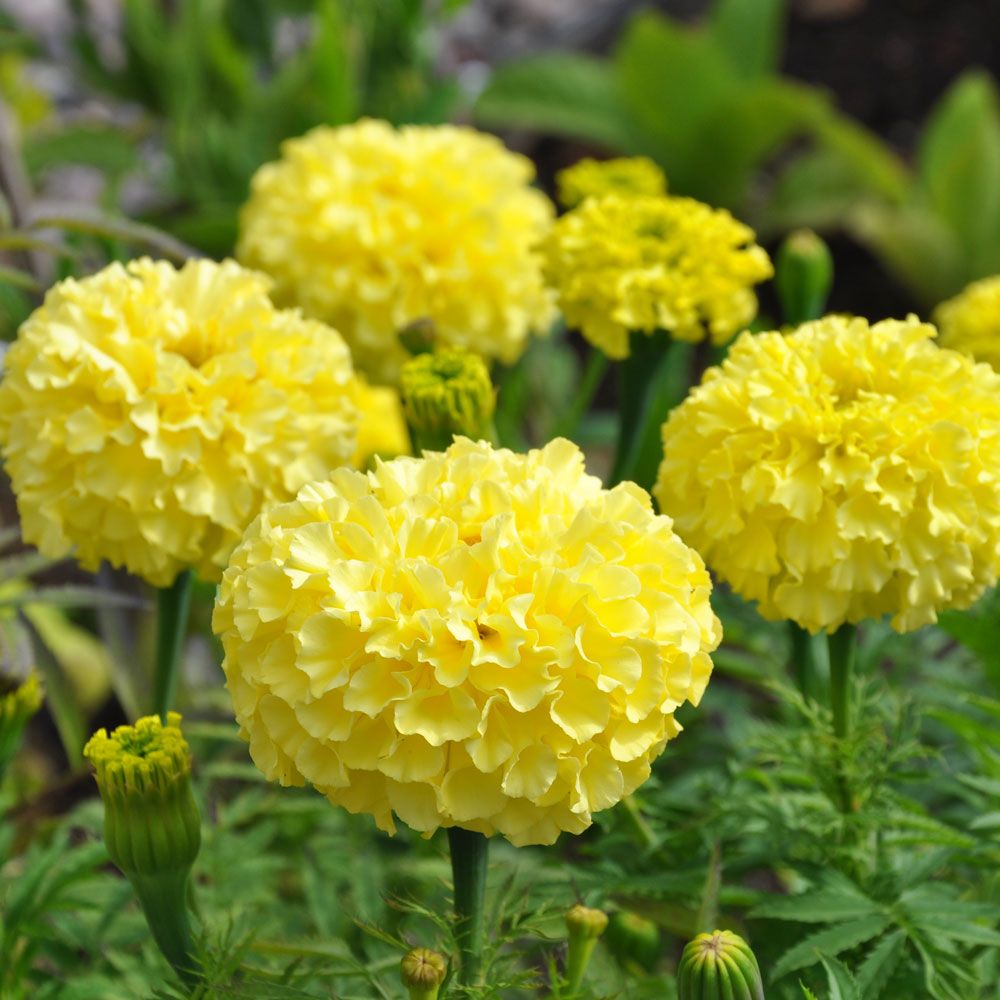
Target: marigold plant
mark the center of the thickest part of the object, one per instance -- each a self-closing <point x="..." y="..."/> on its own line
<point x="373" y="228"/>
<point x="148" y="413"/>
<point x="841" y="472"/>
<point x="475" y="638"/>
<point x="625" y="175"/>
<point x="970" y="322"/>
<point x="623" y="263"/>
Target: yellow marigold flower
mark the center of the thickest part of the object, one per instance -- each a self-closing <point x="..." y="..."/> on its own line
<point x="381" y="423"/>
<point x="625" y="175"/>
<point x="147" y="413"/>
<point x="372" y="229"/>
<point x="645" y="263"/>
<point x="841" y="472"/>
<point x="474" y="638"/>
<point x="970" y="322"/>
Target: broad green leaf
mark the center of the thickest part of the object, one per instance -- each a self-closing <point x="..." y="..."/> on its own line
<point x="878" y="967"/>
<point x="751" y="33"/>
<point x="111" y="150"/>
<point x="830" y="942"/>
<point x="842" y="984"/>
<point x="868" y="160"/>
<point x="564" y="93"/>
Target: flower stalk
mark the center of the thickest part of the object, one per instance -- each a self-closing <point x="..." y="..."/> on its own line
<point x="843" y="651"/>
<point x="173" y="605"/>
<point x="469" y="859"/>
<point x="585" y="926"/>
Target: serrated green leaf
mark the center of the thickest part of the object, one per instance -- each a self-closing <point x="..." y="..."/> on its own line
<point x="830" y="942"/>
<point x="841" y="900"/>
<point x="840" y="981"/>
<point x="881" y="963"/>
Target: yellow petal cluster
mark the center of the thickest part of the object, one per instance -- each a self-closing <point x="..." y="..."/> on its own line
<point x="372" y="229"/>
<point x="625" y="175"/>
<point x="147" y="413"/>
<point x="381" y="423"/>
<point x="970" y="322"/>
<point x="644" y="263"/>
<point x="474" y="638"/>
<point x="841" y="472"/>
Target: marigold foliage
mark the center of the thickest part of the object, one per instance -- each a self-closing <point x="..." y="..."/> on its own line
<point x="643" y="263"/>
<point x="373" y="228"/>
<point x="147" y="413"/>
<point x="970" y="322"/>
<point x="840" y="473"/>
<point x="475" y="638"/>
<point x="625" y="175"/>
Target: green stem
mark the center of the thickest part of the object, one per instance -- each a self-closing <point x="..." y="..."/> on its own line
<point x="654" y="378"/>
<point x="164" y="902"/>
<point x="593" y="374"/>
<point x="577" y="959"/>
<point x="469" y="854"/>
<point x="642" y="830"/>
<point x="843" y="648"/>
<point x="803" y="660"/>
<point x="173" y="605"/>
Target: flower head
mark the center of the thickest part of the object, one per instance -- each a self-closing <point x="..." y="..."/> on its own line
<point x="18" y="703"/>
<point x="474" y="638"/>
<point x="719" y="966"/>
<point x="970" y="322"/>
<point x="381" y="423"/>
<point x="841" y="472"/>
<point x="423" y="971"/>
<point x="645" y="263"/>
<point x="373" y="228"/>
<point x="147" y="413"/>
<point x="624" y="175"/>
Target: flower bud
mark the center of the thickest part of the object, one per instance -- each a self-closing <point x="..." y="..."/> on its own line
<point x="423" y="972"/>
<point x="632" y="938"/>
<point x="719" y="966"/>
<point x="585" y="926"/>
<point x="446" y="393"/>
<point x="152" y="827"/>
<point x="803" y="276"/>
<point x="18" y="703"/>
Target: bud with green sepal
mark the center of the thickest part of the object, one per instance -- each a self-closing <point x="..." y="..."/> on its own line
<point x="446" y="393"/>
<point x="152" y="827"/>
<point x="632" y="938"/>
<point x="18" y="703"/>
<point x="423" y="971"/>
<point x="585" y="926"/>
<point x="803" y="276"/>
<point x="719" y="966"/>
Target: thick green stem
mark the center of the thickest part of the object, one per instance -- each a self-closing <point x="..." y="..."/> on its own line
<point x="469" y="855"/>
<point x="593" y="375"/>
<point x="843" y="648"/>
<point x="803" y="661"/>
<point x="654" y="378"/>
<point x="173" y="605"/>
<point x="577" y="960"/>
<point x="164" y="902"/>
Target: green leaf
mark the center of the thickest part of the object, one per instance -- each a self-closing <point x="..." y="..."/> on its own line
<point x="841" y="982"/>
<point x="830" y="942"/>
<point x="110" y="150"/>
<point x="751" y="33"/>
<point x="562" y="93"/>
<point x="978" y="629"/>
<point x="838" y="900"/>
<point x="881" y="963"/>
<point x="872" y="164"/>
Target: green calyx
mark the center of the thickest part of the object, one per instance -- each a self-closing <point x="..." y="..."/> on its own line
<point x="423" y="971"/>
<point x="632" y="938"/>
<point x="719" y="966"/>
<point x="803" y="276"/>
<point x="446" y="393"/>
<point x="18" y="703"/>
<point x="151" y="821"/>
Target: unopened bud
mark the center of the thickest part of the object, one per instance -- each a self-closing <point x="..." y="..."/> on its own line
<point x="423" y="972"/>
<point x="719" y="966"/>
<point x="803" y="276"/>
<point x="18" y="703"/>
<point x="632" y="938"/>
<point x="585" y="926"/>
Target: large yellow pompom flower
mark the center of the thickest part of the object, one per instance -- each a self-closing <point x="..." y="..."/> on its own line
<point x="474" y="638"/>
<point x="841" y="472"/>
<point x="372" y="228"/>
<point x="147" y="414"/>
<point x="622" y="263"/>
<point x="970" y="322"/>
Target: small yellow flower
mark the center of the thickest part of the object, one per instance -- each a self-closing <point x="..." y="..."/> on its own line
<point x="381" y="423"/>
<point x="474" y="638"/>
<point x="970" y="322"/>
<point x="148" y="413"/>
<point x="372" y="229"/>
<point x="645" y="263"/>
<point x="841" y="472"/>
<point x="626" y="175"/>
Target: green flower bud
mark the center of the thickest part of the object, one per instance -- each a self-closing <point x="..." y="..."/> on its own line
<point x="18" y="703"/>
<point x="719" y="966"/>
<point x="632" y="938"/>
<point x="152" y="827"/>
<point x="423" y="972"/>
<point x="803" y="276"/>
<point x="446" y="393"/>
<point x="585" y="926"/>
